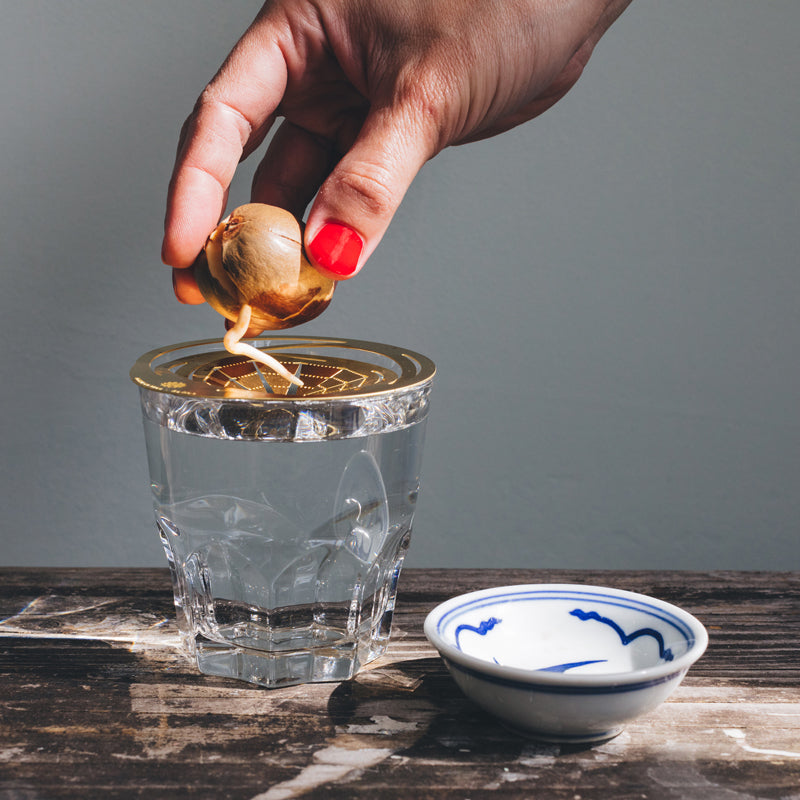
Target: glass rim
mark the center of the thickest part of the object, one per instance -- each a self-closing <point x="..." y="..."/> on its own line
<point x="192" y="369"/>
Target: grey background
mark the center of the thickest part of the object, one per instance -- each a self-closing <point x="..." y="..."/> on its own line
<point x="611" y="292"/>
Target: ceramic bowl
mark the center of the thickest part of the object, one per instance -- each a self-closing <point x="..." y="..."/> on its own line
<point x="562" y="662"/>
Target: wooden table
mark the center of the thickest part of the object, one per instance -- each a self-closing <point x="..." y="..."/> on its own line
<point x="96" y="700"/>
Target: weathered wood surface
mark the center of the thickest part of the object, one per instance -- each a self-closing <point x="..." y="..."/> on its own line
<point x="96" y="700"/>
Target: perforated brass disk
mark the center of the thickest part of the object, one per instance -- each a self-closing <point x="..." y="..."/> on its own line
<point x="328" y="368"/>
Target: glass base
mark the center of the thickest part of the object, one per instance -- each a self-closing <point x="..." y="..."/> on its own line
<point x="311" y="642"/>
<point x="275" y="669"/>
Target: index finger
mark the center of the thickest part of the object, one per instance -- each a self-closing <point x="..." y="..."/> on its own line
<point x="230" y="118"/>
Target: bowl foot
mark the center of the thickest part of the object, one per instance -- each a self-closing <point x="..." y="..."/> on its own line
<point x="564" y="738"/>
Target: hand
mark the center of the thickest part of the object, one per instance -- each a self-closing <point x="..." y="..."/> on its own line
<point x="368" y="92"/>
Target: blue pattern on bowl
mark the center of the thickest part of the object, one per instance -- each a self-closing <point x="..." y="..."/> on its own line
<point x="555" y="688"/>
<point x="609" y="600"/>
<point x="482" y="629"/>
<point x="663" y="651"/>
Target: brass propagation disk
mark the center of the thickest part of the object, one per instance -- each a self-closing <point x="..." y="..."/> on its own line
<point x="329" y="368"/>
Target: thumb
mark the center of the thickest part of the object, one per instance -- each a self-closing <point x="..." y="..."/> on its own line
<point x="356" y="203"/>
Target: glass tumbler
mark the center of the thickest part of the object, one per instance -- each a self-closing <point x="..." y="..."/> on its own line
<point x="285" y="512"/>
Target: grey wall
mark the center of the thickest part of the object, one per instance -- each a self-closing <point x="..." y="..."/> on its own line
<point x="611" y="292"/>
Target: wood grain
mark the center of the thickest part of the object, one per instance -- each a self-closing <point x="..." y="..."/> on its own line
<point x="97" y="700"/>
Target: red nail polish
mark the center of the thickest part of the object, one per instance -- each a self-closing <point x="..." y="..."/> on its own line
<point x="336" y="248"/>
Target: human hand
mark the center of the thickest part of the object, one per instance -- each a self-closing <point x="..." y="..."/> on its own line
<point x="368" y="92"/>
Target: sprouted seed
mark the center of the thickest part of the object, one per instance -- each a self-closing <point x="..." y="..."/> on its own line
<point x="234" y="345"/>
<point x="254" y="272"/>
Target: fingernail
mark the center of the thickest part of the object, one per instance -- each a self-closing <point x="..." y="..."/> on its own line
<point x="336" y="248"/>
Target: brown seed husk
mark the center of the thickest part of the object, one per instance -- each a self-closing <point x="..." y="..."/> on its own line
<point x="255" y="256"/>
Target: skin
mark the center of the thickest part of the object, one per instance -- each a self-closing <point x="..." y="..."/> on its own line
<point x="367" y="93"/>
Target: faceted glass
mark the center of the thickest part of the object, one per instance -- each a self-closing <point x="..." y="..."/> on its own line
<point x="285" y="513"/>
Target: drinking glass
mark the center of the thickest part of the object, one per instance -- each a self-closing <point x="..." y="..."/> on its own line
<point x="285" y="512"/>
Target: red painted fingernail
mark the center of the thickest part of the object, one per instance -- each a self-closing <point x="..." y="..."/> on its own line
<point x="336" y="248"/>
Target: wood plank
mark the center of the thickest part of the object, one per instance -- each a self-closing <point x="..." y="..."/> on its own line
<point x="96" y="699"/>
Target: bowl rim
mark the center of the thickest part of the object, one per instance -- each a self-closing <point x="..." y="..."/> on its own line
<point x="520" y="677"/>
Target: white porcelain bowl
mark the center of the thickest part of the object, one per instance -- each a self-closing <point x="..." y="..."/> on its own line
<point x="562" y="662"/>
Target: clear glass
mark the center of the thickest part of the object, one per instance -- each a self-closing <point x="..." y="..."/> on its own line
<point x="285" y="522"/>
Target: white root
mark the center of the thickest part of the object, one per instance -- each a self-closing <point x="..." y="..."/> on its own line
<point x="234" y="345"/>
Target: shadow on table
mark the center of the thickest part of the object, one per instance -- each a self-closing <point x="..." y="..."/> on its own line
<point x="419" y="707"/>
